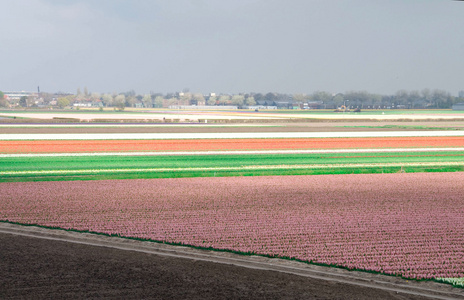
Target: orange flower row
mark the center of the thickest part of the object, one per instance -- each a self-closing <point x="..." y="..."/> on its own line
<point x="64" y="146"/>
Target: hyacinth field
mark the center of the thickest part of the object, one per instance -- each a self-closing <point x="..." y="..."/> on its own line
<point x="371" y="213"/>
<point x="406" y="225"/>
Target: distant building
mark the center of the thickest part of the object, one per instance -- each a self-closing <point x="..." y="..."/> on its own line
<point x="310" y="105"/>
<point x="458" y="106"/>
<point x="258" y="107"/>
<point x="18" y="95"/>
<point x="88" y="103"/>
<point x="82" y="104"/>
<point x="218" y="107"/>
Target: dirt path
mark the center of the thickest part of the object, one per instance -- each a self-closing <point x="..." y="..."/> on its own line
<point x="80" y="265"/>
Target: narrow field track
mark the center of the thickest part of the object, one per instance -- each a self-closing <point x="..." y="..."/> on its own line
<point x="83" y="146"/>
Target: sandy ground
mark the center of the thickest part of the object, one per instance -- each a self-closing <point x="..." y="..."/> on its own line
<point x="34" y="268"/>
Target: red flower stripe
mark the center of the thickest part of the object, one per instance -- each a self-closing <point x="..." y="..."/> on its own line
<point x="65" y="146"/>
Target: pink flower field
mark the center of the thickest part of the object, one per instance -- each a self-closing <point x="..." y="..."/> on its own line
<point x="404" y="224"/>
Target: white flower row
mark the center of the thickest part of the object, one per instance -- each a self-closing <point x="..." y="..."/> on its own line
<point x="227" y="135"/>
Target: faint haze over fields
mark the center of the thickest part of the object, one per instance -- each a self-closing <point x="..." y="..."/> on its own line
<point x="285" y="46"/>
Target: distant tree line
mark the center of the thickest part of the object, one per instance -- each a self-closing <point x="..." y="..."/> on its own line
<point x="3" y="101"/>
<point x="432" y="99"/>
<point x="364" y="100"/>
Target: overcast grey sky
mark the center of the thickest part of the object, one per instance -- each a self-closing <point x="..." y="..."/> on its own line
<point x="285" y="46"/>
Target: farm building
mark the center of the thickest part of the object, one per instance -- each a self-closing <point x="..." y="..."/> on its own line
<point x="458" y="106"/>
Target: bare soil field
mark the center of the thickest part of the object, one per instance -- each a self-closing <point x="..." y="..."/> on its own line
<point x="53" y="269"/>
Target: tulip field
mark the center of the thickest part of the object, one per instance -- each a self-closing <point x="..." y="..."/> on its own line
<point x="36" y="159"/>
<point x="104" y="145"/>
<point x="390" y="204"/>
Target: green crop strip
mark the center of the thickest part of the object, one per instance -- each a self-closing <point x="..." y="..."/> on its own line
<point x="130" y="174"/>
<point x="211" y="161"/>
<point x="120" y="167"/>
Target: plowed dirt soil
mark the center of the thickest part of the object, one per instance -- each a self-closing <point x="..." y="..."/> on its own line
<point x="198" y="128"/>
<point x="43" y="269"/>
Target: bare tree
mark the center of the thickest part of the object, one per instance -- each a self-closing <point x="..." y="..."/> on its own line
<point x="224" y="99"/>
<point x="147" y="101"/>
<point x="250" y="101"/>
<point x="237" y="100"/>
<point x="62" y="102"/>
<point x="212" y="100"/>
<point x="107" y="100"/>
<point x="159" y="100"/>
<point x="120" y="102"/>
<point x="199" y="98"/>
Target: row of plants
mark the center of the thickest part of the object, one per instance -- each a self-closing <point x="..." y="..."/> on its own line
<point x="182" y="162"/>
<point x="410" y="229"/>
<point x="70" y="146"/>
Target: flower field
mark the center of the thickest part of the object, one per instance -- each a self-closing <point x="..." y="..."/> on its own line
<point x="408" y="225"/>
<point x="76" y="146"/>
<point x="209" y="192"/>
